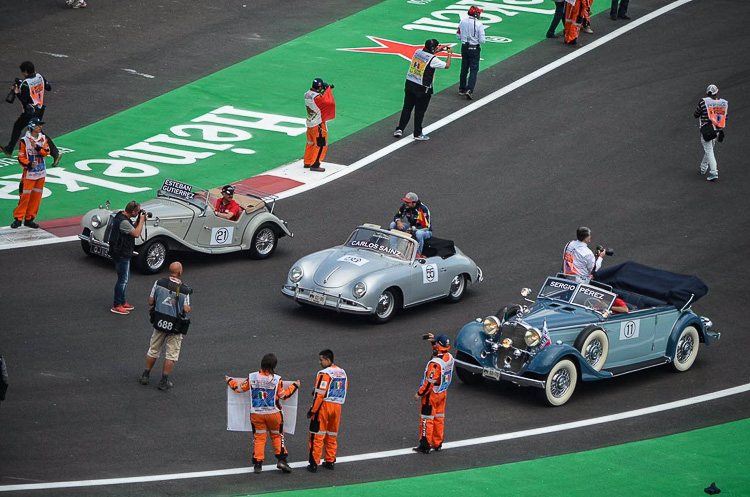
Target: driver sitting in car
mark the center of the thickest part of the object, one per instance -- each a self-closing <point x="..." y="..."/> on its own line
<point x="226" y="207"/>
<point x="619" y="306"/>
<point x="413" y="217"/>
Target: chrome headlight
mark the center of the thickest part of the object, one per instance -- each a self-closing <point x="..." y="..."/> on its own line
<point x="531" y="337"/>
<point x="96" y="221"/>
<point x="491" y="325"/>
<point x="295" y="274"/>
<point x="359" y="290"/>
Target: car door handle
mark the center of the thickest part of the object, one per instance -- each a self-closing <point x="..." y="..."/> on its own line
<point x="206" y="228"/>
<point x="443" y="269"/>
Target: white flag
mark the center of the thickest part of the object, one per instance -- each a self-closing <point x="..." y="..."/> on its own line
<point x="238" y="410"/>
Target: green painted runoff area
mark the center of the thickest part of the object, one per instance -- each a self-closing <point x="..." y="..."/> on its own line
<point x="677" y="465"/>
<point x="369" y="88"/>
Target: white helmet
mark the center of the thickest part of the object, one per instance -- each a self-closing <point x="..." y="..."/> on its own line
<point x="712" y="90"/>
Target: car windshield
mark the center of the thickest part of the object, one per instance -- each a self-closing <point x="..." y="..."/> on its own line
<point x="558" y="289"/>
<point x="185" y="193"/>
<point x="593" y="298"/>
<point x="384" y="243"/>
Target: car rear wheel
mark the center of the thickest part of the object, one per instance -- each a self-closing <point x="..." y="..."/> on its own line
<point x="264" y="242"/>
<point x="593" y="345"/>
<point x="152" y="256"/>
<point x="687" y="349"/>
<point x="86" y="246"/>
<point x="388" y="303"/>
<point x="468" y="377"/>
<point x="457" y="289"/>
<point x="561" y="383"/>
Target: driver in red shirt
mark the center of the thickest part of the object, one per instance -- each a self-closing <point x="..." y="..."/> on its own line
<point x="226" y="207"/>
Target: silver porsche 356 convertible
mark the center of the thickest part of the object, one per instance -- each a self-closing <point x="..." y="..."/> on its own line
<point x="182" y="217"/>
<point x="377" y="271"/>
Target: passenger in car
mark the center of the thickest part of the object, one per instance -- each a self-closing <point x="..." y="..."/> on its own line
<point x="226" y="207"/>
<point x="619" y="306"/>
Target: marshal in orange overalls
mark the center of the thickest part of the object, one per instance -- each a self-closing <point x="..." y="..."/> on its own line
<point x="321" y="108"/>
<point x="267" y="389"/>
<point x="574" y="13"/>
<point x="331" y="386"/>
<point x="31" y="156"/>
<point x="433" y="392"/>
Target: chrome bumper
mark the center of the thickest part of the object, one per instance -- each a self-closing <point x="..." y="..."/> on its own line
<point x="97" y="247"/>
<point x="334" y="302"/>
<point x="505" y="376"/>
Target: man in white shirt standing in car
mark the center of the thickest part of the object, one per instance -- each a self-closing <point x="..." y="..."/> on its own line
<point x="579" y="260"/>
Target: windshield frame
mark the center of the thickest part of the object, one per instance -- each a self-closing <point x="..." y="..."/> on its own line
<point x="408" y="257"/>
<point x="577" y="288"/>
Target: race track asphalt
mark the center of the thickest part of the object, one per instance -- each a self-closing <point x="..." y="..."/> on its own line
<point x="607" y="141"/>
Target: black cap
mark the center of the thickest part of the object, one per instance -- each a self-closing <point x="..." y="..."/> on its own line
<point x="228" y="189"/>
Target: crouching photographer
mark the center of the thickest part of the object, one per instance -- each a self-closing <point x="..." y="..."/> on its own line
<point x="170" y="303"/>
<point x="579" y="260"/>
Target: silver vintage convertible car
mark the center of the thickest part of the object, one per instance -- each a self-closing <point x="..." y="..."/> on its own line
<point x="181" y="217"/>
<point x="377" y="271"/>
<point x="571" y="334"/>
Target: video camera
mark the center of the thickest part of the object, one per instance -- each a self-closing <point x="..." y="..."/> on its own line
<point x="12" y="94"/>
<point x="607" y="251"/>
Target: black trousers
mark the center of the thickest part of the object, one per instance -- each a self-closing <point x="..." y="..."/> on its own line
<point x="559" y="16"/>
<point x="469" y="61"/>
<point x="417" y="98"/>
<point x="614" y="11"/>
<point x="20" y="125"/>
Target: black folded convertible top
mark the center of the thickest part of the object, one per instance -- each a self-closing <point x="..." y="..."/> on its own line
<point x="675" y="289"/>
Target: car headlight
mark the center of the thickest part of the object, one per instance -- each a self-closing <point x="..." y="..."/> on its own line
<point x="491" y="325"/>
<point x="295" y="274"/>
<point x="96" y="221"/>
<point x="531" y="337"/>
<point x="359" y="290"/>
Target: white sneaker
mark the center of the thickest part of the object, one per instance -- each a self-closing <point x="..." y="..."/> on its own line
<point x="712" y="177"/>
<point x="70" y="3"/>
<point x="398" y="133"/>
<point x="422" y="138"/>
<point x="80" y="4"/>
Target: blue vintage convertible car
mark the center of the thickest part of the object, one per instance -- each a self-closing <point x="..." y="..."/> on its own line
<point x="570" y="332"/>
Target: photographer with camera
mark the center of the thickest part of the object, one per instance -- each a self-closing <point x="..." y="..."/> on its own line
<point x="579" y="260"/>
<point x="122" y="237"/>
<point x="418" y="88"/>
<point x="170" y="303"/>
<point x="30" y="92"/>
<point x="432" y="394"/>
<point x="321" y="108"/>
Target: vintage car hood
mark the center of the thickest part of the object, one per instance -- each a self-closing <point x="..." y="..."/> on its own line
<point x="342" y="265"/>
<point x="559" y="315"/>
<point x="165" y="208"/>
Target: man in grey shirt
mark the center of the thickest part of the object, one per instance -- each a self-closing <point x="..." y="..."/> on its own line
<point x="121" y="247"/>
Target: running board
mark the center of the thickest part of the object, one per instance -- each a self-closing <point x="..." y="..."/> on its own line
<point x="632" y="368"/>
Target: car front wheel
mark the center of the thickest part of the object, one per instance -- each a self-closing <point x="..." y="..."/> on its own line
<point x="86" y="246"/>
<point x="264" y="242"/>
<point x="457" y="289"/>
<point x="152" y="256"/>
<point x="593" y="345"/>
<point x="687" y="349"/>
<point x="386" y="307"/>
<point x="561" y="383"/>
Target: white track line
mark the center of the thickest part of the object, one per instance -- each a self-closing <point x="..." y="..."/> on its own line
<point x="397" y="452"/>
<point x="476" y="105"/>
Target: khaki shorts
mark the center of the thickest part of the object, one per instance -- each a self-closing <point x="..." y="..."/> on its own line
<point x="174" y="342"/>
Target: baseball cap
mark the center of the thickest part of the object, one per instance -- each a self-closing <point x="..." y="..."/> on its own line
<point x="411" y="197"/>
<point x="443" y="340"/>
<point x="712" y="90"/>
<point x="228" y="189"/>
<point x="35" y="121"/>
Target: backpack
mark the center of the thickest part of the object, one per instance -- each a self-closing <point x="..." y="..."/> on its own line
<point x="114" y="240"/>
